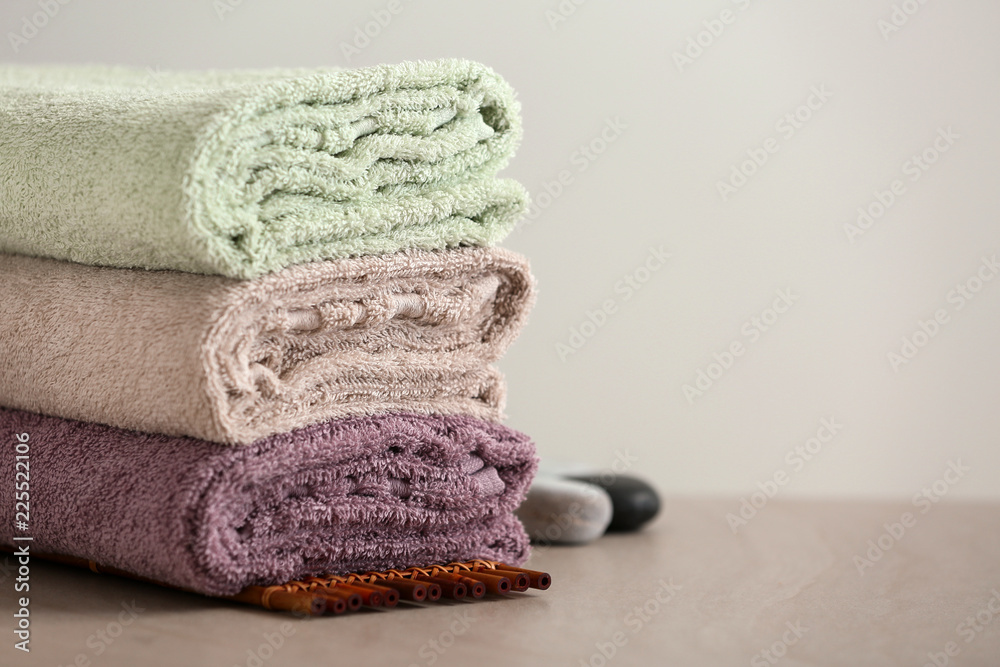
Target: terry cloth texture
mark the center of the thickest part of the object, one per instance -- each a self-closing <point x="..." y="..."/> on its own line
<point x="243" y="173"/>
<point x="362" y="493"/>
<point x="234" y="361"/>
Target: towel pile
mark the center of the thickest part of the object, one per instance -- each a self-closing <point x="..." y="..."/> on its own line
<point x="249" y="320"/>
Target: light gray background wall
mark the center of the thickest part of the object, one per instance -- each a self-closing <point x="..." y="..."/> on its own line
<point x="678" y="128"/>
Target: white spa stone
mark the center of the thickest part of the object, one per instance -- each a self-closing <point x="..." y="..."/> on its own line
<point x="562" y="511"/>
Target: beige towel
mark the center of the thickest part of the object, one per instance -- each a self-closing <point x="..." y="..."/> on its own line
<point x="234" y="361"/>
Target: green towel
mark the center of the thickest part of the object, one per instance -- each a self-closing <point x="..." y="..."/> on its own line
<point x="243" y="173"/>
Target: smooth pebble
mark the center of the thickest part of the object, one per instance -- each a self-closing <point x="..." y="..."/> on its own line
<point x="563" y="511"/>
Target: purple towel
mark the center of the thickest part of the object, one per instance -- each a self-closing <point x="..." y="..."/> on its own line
<point x="355" y="494"/>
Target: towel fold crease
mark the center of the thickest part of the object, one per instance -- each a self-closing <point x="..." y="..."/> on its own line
<point x="244" y="173"/>
<point x="234" y="361"/>
<point x="356" y="494"/>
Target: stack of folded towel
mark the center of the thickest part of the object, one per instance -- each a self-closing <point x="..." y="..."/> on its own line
<point x="248" y="320"/>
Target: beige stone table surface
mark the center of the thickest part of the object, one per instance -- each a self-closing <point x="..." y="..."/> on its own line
<point x="801" y="583"/>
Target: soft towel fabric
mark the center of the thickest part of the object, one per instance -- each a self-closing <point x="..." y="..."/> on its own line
<point x="234" y="361"/>
<point x="242" y="173"/>
<point x="362" y="493"/>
